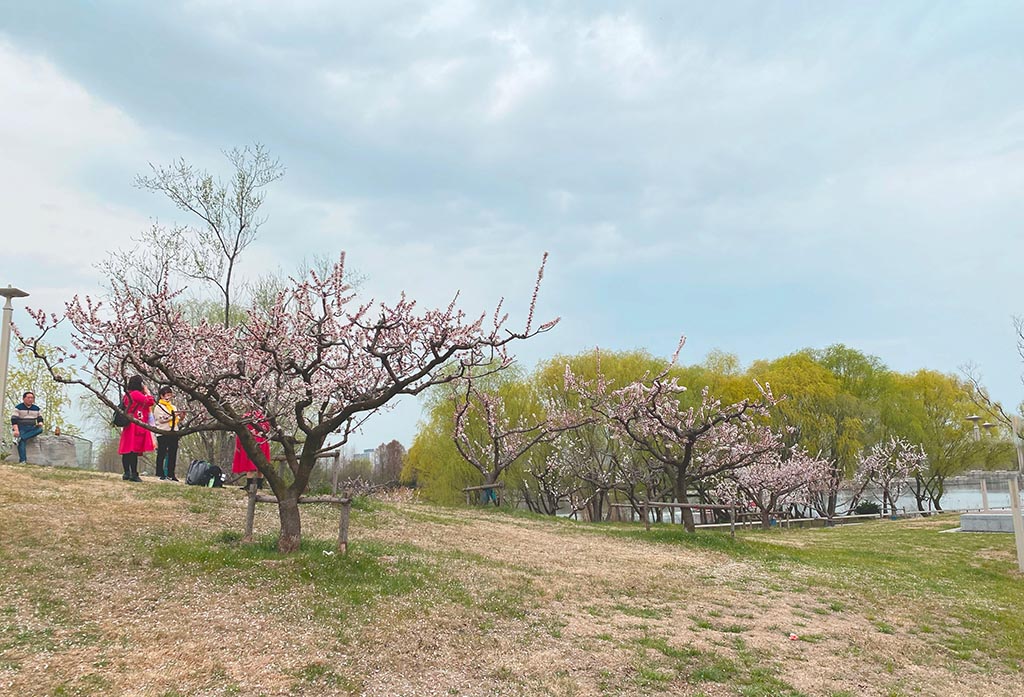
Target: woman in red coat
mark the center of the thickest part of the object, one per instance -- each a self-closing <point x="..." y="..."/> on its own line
<point x="135" y="439"/>
<point x="241" y="462"/>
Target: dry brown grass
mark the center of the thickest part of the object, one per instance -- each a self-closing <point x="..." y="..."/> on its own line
<point x="522" y="606"/>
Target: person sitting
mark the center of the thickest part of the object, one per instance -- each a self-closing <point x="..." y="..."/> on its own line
<point x="26" y="423"/>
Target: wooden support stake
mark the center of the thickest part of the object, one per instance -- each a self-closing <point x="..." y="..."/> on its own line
<point x="647" y="517"/>
<point x="250" y="510"/>
<point x="732" y="522"/>
<point x="984" y="495"/>
<point x="1018" y="523"/>
<point x="343" y="527"/>
<point x="334" y="474"/>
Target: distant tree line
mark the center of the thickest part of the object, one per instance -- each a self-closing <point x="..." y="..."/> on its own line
<point x="583" y="431"/>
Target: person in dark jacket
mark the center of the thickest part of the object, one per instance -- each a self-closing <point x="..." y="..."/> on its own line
<point x="167" y="418"/>
<point x="26" y="423"/>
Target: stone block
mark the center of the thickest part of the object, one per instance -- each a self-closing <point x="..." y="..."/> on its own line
<point x="990" y="521"/>
<point x="49" y="450"/>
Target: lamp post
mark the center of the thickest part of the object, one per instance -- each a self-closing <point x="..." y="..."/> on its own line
<point x="5" y="337"/>
<point x="1016" y="429"/>
<point x="974" y="418"/>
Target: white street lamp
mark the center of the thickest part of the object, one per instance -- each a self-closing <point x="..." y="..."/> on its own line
<point x="974" y="418"/>
<point x="5" y="338"/>
<point x="1016" y="431"/>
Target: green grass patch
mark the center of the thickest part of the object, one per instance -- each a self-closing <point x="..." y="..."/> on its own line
<point x="649" y="676"/>
<point x="337" y="584"/>
<point x="320" y="674"/>
<point x="433" y="519"/>
<point x="661" y="646"/>
<point x="748" y="673"/>
<point x="510" y="601"/>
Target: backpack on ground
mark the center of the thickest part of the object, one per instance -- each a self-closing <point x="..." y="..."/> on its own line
<point x="120" y="418"/>
<point x="202" y="473"/>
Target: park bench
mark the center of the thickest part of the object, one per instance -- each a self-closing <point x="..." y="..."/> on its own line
<point x="494" y="495"/>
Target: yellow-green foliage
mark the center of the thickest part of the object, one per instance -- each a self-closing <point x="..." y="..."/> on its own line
<point x="838" y="400"/>
<point x="29" y="374"/>
<point x="930" y="409"/>
<point x="619" y="368"/>
<point x="435" y="464"/>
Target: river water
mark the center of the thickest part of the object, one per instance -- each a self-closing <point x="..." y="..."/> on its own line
<point x="956" y="497"/>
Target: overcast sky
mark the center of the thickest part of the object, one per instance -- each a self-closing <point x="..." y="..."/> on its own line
<point x="762" y="179"/>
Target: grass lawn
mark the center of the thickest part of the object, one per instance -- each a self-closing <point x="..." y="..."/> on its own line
<point x="112" y="588"/>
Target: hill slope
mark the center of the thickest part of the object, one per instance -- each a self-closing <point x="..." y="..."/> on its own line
<point x="108" y="588"/>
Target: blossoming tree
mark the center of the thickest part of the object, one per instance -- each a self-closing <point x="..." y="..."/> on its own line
<point x="779" y="477"/>
<point x="500" y="437"/>
<point x="888" y="465"/>
<point x="313" y="362"/>
<point x="586" y="471"/>
<point x="694" y="444"/>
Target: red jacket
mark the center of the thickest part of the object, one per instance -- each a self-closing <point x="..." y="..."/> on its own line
<point x="241" y="462"/>
<point x="134" y="438"/>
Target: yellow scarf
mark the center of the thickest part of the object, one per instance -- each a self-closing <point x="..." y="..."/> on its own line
<point x="169" y="408"/>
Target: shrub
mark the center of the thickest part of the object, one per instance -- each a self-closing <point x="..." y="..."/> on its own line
<point x="867" y="508"/>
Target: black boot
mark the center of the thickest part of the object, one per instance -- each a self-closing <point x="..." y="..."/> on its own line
<point x="259" y="482"/>
<point x="127" y="472"/>
<point x="135" y="472"/>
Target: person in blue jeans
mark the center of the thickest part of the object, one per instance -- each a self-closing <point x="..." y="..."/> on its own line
<point x="26" y="423"/>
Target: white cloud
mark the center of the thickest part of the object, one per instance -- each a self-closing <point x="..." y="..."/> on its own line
<point x="811" y="153"/>
<point x="51" y="139"/>
<point x="619" y="49"/>
<point x="526" y="75"/>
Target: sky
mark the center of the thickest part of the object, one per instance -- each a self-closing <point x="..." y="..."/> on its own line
<point x="761" y="177"/>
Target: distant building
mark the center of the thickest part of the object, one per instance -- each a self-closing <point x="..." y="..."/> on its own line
<point x="369" y="455"/>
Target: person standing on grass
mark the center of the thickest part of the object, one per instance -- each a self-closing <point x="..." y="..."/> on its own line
<point x="241" y="464"/>
<point x="135" y="439"/>
<point x="168" y="418"/>
<point x="26" y="423"/>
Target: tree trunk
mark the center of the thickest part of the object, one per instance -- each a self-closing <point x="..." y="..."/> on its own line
<point x="686" y="513"/>
<point x="936" y="490"/>
<point x="529" y="502"/>
<point x="291" y="525"/>
<point x="766" y="519"/>
<point x="920" y="491"/>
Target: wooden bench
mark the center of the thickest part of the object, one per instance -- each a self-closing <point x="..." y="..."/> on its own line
<point x="485" y="487"/>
